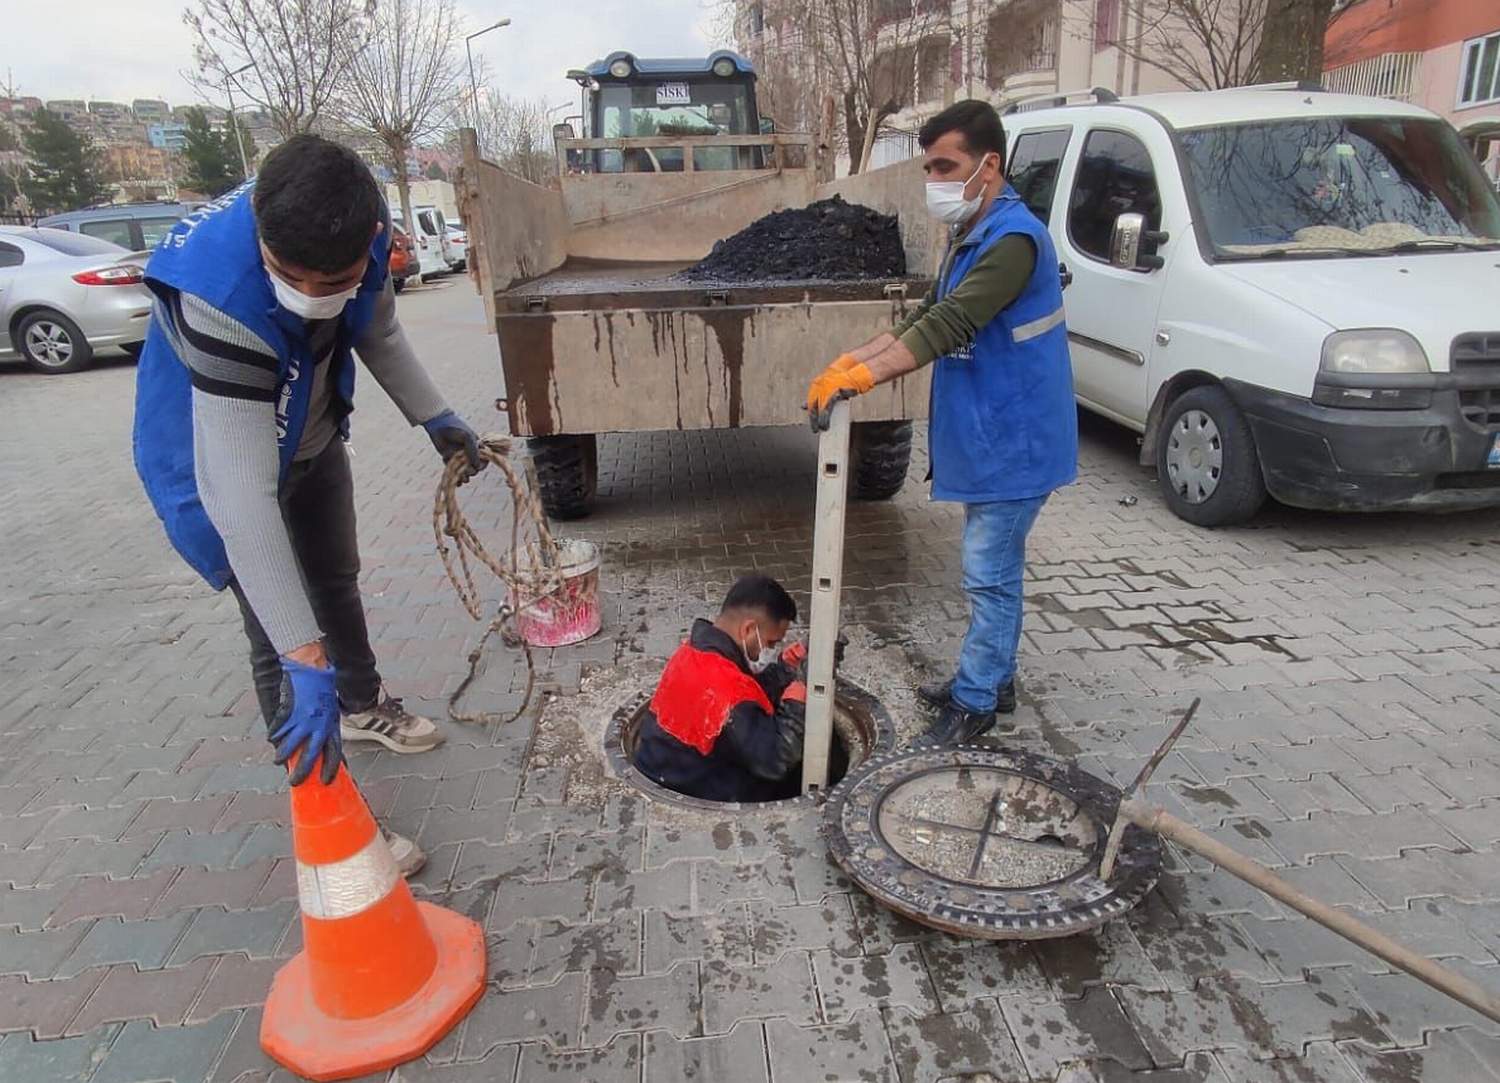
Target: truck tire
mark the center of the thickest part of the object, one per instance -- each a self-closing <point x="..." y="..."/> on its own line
<point x="1206" y="462"/>
<point x="567" y="469"/>
<point x="879" y="454"/>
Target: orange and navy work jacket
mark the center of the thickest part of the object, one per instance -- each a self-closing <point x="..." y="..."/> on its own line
<point x="713" y="730"/>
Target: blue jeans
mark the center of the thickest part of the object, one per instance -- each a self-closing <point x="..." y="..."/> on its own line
<point x="994" y="564"/>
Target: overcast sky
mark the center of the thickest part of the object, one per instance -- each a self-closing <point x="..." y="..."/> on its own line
<point x="124" y="49"/>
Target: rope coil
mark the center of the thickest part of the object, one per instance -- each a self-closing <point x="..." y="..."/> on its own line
<point x="526" y="582"/>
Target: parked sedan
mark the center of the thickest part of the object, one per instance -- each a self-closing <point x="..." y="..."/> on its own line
<point x="65" y="296"/>
<point x="458" y="245"/>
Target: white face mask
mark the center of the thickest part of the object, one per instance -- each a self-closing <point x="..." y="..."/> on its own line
<point x="946" y="202"/>
<point x="310" y="308"/>
<point x="764" y="656"/>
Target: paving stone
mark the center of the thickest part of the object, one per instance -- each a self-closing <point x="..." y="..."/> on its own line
<point x="147" y="943"/>
<point x="669" y="1002"/>
<point x="100" y="824"/>
<point x="965" y="972"/>
<point x="857" y="1049"/>
<point x="509" y="955"/>
<point x="783" y="989"/>
<point x="1443" y="1057"/>
<point x="144" y="1054"/>
<point x="1485" y="1048"/>
<point x="98" y="896"/>
<point x="69" y="1060"/>
<point x="717" y="884"/>
<point x="1360" y="836"/>
<point x="736" y="1057"/>
<point x="564" y="901"/>
<point x="197" y="849"/>
<point x="37" y="955"/>
<point x="254" y="808"/>
<point x="1478" y="828"/>
<point x="215" y="931"/>
<point x="829" y="924"/>
<point x="1407" y="1009"/>
<point x="1091" y="1027"/>
<point x="1466" y="877"/>
<point x="163" y="996"/>
<point x="880" y="929"/>
<point x="233" y="889"/>
<point x="553" y="1012"/>
<point x="236" y="982"/>
<point x="480" y="861"/>
<point x="44" y="1007"/>
<point x="1433" y="927"/>
<point x="443" y="825"/>
<point x="723" y="937"/>
<point x="668" y="888"/>
<point x="500" y="1065"/>
<point x="89" y="857"/>
<point x="1320" y="1062"/>
<point x="673" y="842"/>
<point x="268" y="841"/>
<point x="1264" y="1020"/>
<point x="620" y="1060"/>
<point x="163" y="814"/>
<point x="27" y="908"/>
<point x="897" y="979"/>
<point x="974" y="1044"/>
<point x="613" y="946"/>
<point x="253" y="778"/>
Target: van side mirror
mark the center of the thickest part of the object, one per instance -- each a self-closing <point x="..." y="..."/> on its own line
<point x="1125" y="243"/>
<point x="561" y="132"/>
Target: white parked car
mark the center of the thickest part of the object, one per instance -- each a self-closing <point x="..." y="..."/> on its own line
<point x="66" y="296"/>
<point x="458" y="245"/>
<point x="1284" y="291"/>
<point x="434" y="252"/>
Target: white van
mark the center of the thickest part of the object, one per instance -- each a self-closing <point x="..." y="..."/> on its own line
<point x="1284" y="291"/>
<point x="434" y="255"/>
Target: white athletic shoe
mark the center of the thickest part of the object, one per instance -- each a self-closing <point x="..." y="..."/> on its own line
<point x="389" y="723"/>
<point x="407" y="854"/>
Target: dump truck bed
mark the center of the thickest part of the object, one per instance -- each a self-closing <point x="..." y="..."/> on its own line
<point x="594" y="348"/>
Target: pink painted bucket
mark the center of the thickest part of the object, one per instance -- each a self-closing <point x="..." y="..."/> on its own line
<point x="570" y="614"/>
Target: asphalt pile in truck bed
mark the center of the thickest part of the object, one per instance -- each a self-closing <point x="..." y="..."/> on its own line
<point x="829" y="239"/>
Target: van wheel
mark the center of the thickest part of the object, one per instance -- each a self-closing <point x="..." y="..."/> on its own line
<point x="567" y="469"/>
<point x="879" y="454"/>
<point x="1206" y="461"/>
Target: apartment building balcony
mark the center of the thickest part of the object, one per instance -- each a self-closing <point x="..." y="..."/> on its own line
<point x="1389" y="75"/>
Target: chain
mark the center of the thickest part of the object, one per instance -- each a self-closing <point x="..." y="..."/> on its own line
<point x="526" y="581"/>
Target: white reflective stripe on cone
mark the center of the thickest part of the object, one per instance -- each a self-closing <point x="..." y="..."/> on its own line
<point x="342" y="889"/>
<point x="1038" y="327"/>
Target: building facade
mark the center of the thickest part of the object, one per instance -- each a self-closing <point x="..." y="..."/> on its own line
<point x="1443" y="55"/>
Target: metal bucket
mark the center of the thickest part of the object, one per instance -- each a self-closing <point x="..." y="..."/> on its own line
<point x="570" y="614"/>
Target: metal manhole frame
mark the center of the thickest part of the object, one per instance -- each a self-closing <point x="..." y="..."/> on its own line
<point x="971" y="910"/>
<point x="849" y="696"/>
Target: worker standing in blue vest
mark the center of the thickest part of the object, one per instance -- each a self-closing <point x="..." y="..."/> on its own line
<point x="1002" y="426"/>
<point x="243" y="397"/>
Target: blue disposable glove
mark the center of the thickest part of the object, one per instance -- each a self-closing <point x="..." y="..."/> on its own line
<point x="450" y="434"/>
<point x="308" y="721"/>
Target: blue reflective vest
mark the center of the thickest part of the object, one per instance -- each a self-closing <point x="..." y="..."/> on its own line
<point x="1002" y="422"/>
<point x="214" y="254"/>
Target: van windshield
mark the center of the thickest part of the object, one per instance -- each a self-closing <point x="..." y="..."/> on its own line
<point x="1338" y="186"/>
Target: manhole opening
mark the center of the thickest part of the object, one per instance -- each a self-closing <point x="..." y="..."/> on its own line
<point x="861" y="729"/>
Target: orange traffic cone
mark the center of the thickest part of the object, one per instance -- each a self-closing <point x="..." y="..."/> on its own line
<point x="381" y="977"/>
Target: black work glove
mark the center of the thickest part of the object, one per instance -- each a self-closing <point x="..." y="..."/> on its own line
<point x="451" y="434"/>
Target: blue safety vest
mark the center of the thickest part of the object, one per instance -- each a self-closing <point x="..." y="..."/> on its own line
<point x="214" y="254"/>
<point x="1002" y="422"/>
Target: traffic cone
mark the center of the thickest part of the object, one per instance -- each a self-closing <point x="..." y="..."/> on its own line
<point x="381" y="977"/>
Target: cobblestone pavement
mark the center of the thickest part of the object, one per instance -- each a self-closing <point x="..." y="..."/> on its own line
<point x="1348" y="737"/>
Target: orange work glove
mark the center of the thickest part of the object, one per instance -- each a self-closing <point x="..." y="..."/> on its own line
<point x="796" y="692"/>
<point x="834" y="384"/>
<point x="844" y="362"/>
<point x="795" y="655"/>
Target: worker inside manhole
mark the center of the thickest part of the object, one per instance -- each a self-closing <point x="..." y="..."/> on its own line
<point x="726" y="722"/>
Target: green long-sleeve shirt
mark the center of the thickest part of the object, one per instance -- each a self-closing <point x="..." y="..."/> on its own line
<point x="937" y="328"/>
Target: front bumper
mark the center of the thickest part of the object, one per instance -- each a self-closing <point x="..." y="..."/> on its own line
<point x="1341" y="459"/>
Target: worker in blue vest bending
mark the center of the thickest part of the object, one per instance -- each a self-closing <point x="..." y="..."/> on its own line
<point x="243" y="397"/>
<point x="1002" y="428"/>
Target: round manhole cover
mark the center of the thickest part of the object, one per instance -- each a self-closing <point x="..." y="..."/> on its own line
<point x="985" y="842"/>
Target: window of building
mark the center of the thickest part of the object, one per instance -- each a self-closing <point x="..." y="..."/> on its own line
<point x="1114" y="177"/>
<point x="757" y="19"/>
<point x="1033" y="168"/>
<point x="1479" y="78"/>
<point x="1106" y="23"/>
<point x="932" y="69"/>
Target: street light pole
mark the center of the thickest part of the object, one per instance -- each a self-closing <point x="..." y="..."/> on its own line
<point x="474" y="83"/>
<point x="234" y="124"/>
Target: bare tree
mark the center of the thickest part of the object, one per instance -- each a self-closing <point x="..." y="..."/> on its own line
<point x="515" y="134"/>
<point x="1213" y="44"/>
<point x="12" y="152"/>
<point x="408" y="84"/>
<point x="297" y="53"/>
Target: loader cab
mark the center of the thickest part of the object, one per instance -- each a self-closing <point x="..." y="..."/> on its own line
<point x="636" y="98"/>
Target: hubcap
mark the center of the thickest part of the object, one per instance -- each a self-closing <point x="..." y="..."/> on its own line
<point x="1195" y="456"/>
<point x="49" y="343"/>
